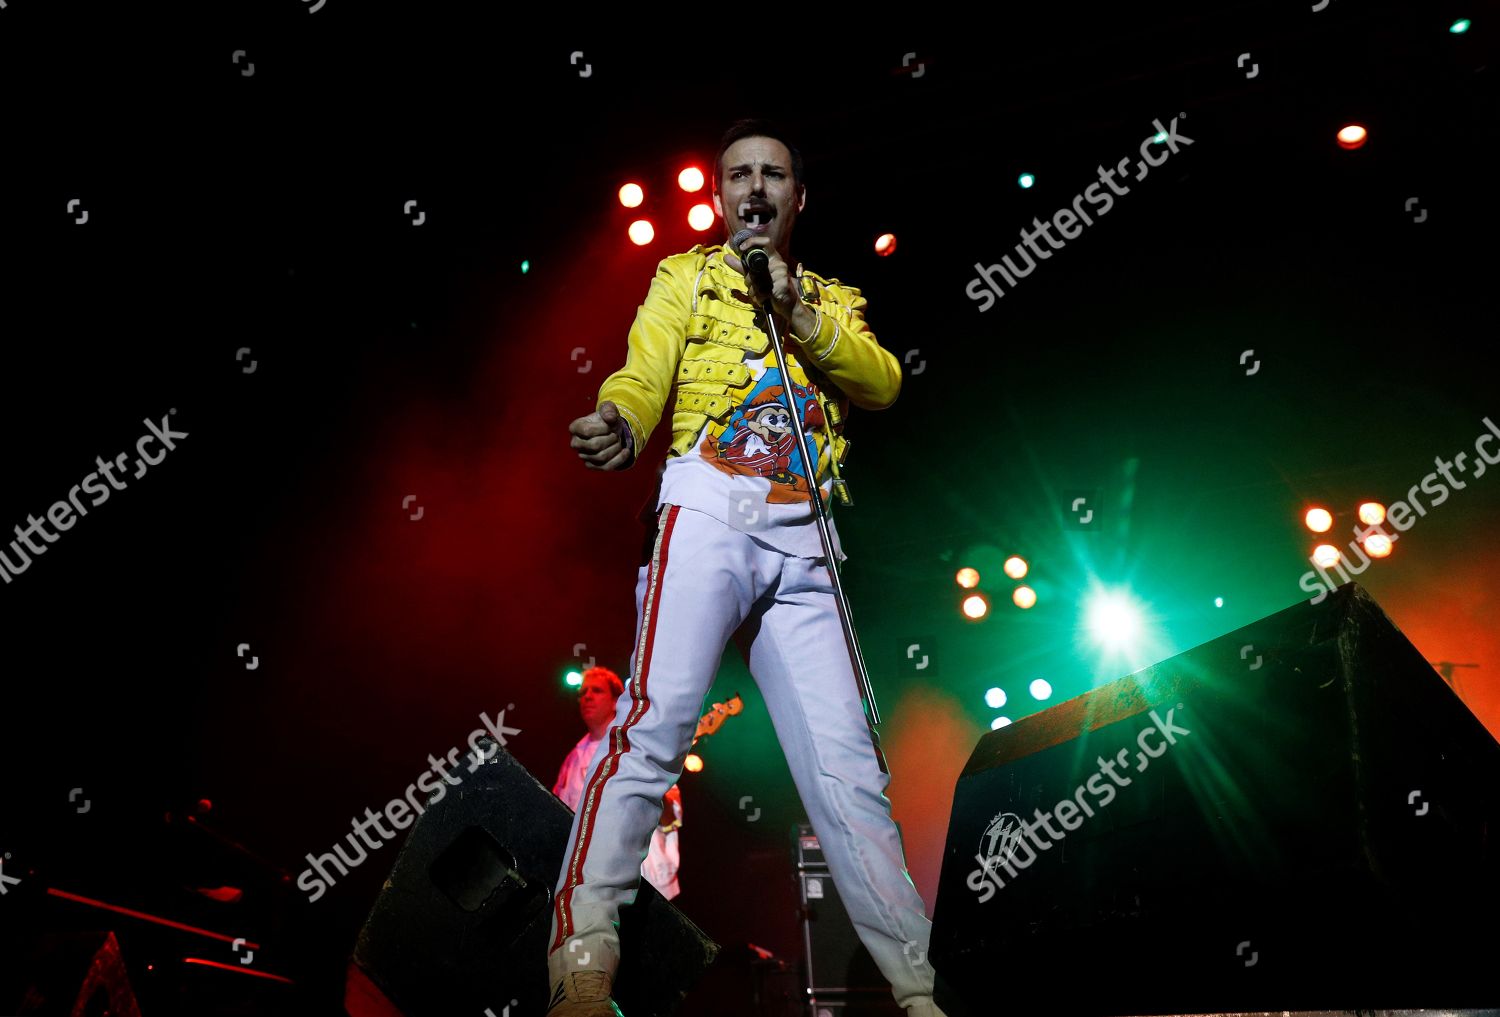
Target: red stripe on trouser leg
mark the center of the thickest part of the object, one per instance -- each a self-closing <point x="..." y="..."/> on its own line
<point x="620" y="736"/>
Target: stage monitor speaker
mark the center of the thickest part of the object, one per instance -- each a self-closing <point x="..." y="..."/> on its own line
<point x="841" y="978"/>
<point x="461" y="925"/>
<point x="1300" y="815"/>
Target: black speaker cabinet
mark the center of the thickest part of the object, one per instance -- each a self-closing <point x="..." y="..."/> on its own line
<point x="461" y="925"/>
<point x="1300" y="815"/>
<point x="840" y="977"/>
<point x="835" y="959"/>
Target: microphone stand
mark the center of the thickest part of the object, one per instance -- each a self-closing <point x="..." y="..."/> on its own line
<point x="820" y="513"/>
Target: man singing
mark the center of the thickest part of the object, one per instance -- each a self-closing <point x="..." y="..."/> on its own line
<point x="736" y="554"/>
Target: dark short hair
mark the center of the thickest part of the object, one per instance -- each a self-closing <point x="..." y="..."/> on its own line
<point x="616" y="687"/>
<point x="741" y="129"/>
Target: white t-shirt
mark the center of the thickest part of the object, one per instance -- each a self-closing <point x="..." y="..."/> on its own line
<point x="662" y="857"/>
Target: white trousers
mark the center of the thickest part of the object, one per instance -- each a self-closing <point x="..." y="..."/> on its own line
<point x="705" y="583"/>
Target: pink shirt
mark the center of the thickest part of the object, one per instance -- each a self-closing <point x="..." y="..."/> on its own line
<point x="662" y="858"/>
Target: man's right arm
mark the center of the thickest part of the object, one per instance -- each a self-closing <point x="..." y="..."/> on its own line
<point x="655" y="346"/>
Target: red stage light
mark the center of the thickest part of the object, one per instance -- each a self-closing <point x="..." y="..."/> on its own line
<point x="701" y="217"/>
<point x="642" y="232"/>
<point x="1353" y="136"/>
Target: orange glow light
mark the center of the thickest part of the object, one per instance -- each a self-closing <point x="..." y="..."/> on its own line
<point x="1319" y="520"/>
<point x="1325" y="556"/>
<point x="1378" y="545"/>
<point x="1024" y="597"/>
<point x="1352" y="136"/>
<point x="1372" y="513"/>
<point x="693" y="763"/>
<point x="690" y="179"/>
<point x="1016" y="567"/>
<point x="967" y="578"/>
<point x="631" y="195"/>
<point x="976" y="606"/>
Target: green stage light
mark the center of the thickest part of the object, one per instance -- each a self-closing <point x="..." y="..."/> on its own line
<point x="1114" y="620"/>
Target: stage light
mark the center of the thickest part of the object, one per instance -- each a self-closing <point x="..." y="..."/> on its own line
<point x="1016" y="567"/>
<point x="693" y="763"/>
<point x="976" y="606"/>
<point x="885" y="244"/>
<point x="1459" y="27"/>
<point x="967" y="578"/>
<point x="641" y="232"/>
<point x="573" y="678"/>
<point x="1352" y="136"/>
<point x="1378" y="545"/>
<point x="690" y="179"/>
<point x="525" y="267"/>
<point x="1218" y="602"/>
<point x="999" y="722"/>
<point x="1372" y="513"/>
<point x="1319" y="520"/>
<point x="1025" y="180"/>
<point x="1024" y="597"/>
<point x="701" y="217"/>
<point x="631" y="195"/>
<point x="1114" y="619"/>
<point x="1325" y="556"/>
<point x="994" y="698"/>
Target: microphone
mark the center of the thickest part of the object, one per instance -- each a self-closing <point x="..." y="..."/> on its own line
<point x="757" y="262"/>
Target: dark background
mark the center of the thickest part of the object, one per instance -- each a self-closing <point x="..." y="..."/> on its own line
<point x="264" y="212"/>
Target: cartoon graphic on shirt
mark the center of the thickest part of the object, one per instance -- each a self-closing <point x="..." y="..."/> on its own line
<point x="757" y="440"/>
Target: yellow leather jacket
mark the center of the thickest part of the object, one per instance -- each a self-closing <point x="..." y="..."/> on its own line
<point x="689" y="340"/>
